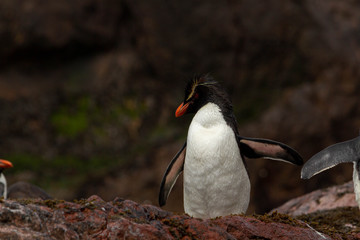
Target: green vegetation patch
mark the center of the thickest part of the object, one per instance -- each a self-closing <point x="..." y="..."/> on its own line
<point x="83" y="115"/>
<point x="85" y="203"/>
<point x="72" y="120"/>
<point x="177" y="228"/>
<point x="61" y="172"/>
<point x="51" y="203"/>
<point x="342" y="221"/>
<point x="279" y="218"/>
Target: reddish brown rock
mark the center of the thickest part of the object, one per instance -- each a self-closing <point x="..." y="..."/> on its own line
<point x="124" y="219"/>
<point x="330" y="210"/>
<point x="323" y="199"/>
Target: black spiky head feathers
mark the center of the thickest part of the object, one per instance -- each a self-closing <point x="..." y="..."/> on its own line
<point x="203" y="89"/>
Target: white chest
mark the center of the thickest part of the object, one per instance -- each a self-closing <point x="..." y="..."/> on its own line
<point x="215" y="179"/>
<point x="356" y="183"/>
<point x="3" y="186"/>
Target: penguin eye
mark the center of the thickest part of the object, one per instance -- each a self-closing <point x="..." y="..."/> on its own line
<point x="196" y="96"/>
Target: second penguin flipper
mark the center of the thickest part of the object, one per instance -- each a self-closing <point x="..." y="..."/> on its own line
<point x="172" y="172"/>
<point x="21" y="190"/>
<point x="348" y="151"/>
<point x="269" y="149"/>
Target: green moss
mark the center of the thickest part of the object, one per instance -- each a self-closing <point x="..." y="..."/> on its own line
<point x="130" y="108"/>
<point x="279" y="218"/>
<point x="127" y="211"/>
<point x="174" y="227"/>
<point x="82" y="114"/>
<point x="171" y="222"/>
<point x="339" y="221"/>
<point x="51" y="203"/>
<point x="27" y="201"/>
<point x="23" y="162"/>
<point x="177" y="228"/>
<point x="49" y="173"/>
<point x="95" y="122"/>
<point x="85" y="203"/>
<point x="59" y="164"/>
<point x="80" y="201"/>
<point x="71" y="120"/>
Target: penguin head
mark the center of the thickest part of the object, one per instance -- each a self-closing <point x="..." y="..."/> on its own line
<point x="4" y="164"/>
<point x="201" y="90"/>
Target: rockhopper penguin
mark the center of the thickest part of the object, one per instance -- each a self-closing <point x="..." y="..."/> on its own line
<point x="343" y="152"/>
<point x="216" y="181"/>
<point x="3" y="184"/>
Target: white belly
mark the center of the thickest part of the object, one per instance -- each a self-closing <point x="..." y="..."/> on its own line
<point x="356" y="183"/>
<point x="215" y="180"/>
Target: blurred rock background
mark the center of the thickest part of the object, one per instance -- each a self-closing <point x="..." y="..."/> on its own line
<point x="88" y="89"/>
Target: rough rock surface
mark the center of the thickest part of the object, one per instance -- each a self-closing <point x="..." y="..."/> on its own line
<point x="124" y="219"/>
<point x="35" y="26"/>
<point x="319" y="200"/>
<point x="330" y="210"/>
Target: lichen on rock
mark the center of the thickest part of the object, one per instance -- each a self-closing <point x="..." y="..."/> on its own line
<point x="96" y="218"/>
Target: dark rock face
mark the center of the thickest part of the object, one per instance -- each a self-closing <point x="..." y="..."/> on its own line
<point x="124" y="219"/>
<point x="319" y="200"/>
<point x="332" y="210"/>
<point x="37" y="26"/>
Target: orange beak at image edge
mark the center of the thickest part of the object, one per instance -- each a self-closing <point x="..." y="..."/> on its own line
<point x="5" y="164"/>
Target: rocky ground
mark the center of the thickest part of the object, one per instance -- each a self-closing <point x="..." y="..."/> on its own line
<point x="94" y="218"/>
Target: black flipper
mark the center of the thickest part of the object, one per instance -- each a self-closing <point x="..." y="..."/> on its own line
<point x="348" y="151"/>
<point x="269" y="149"/>
<point x="172" y="172"/>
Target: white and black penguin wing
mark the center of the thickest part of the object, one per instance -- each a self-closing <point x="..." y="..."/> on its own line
<point x="172" y="172"/>
<point x="269" y="149"/>
<point x="348" y="151"/>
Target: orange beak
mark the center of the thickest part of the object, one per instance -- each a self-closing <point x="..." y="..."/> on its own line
<point x="181" y="110"/>
<point x="5" y="164"/>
